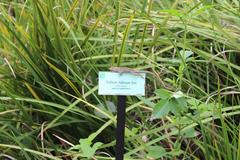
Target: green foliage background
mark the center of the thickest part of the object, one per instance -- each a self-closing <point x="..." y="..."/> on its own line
<point x="51" y="52"/>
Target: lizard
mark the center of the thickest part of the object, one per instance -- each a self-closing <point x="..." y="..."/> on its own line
<point x="136" y="72"/>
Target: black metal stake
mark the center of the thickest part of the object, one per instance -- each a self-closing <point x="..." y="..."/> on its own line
<point x="121" y="109"/>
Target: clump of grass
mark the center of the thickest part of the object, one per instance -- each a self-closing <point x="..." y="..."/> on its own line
<point x="51" y="52"/>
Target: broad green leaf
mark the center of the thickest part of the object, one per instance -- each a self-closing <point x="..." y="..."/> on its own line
<point x="182" y="103"/>
<point x="178" y="94"/>
<point x="161" y="109"/>
<point x="184" y="120"/>
<point x="135" y="130"/>
<point x="193" y="103"/>
<point x="163" y="93"/>
<point x="174" y="107"/>
<point x="178" y="105"/>
<point x="208" y="107"/>
<point x="189" y="133"/>
<point x="203" y="107"/>
<point x="156" y="152"/>
<point x="87" y="149"/>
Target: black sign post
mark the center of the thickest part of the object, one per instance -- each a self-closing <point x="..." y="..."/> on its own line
<point x="121" y="109"/>
<point x="116" y="83"/>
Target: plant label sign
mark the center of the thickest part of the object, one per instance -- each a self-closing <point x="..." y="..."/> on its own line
<point x="114" y="83"/>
